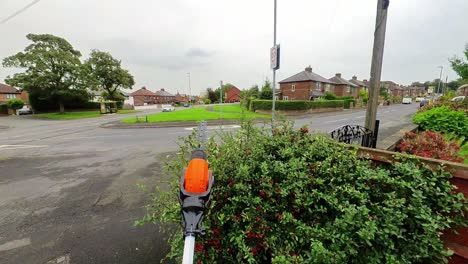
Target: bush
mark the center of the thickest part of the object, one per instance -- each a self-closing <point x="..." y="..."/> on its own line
<point x="443" y="120"/>
<point x="430" y="144"/>
<point x="330" y="96"/>
<point x="287" y="196"/>
<point x="15" y="104"/>
<point x="294" y="105"/>
<point x="348" y="102"/>
<point x="3" y="109"/>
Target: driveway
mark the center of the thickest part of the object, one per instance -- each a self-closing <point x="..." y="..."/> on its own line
<point x="68" y="188"/>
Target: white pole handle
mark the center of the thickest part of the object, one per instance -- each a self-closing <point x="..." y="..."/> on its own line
<point x="189" y="249"/>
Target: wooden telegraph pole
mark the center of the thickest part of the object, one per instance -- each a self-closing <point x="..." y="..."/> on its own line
<point x="376" y="67"/>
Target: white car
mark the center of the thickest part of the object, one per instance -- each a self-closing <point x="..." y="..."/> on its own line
<point x="407" y="100"/>
<point x="458" y="98"/>
<point x="168" y="108"/>
<point x="419" y="99"/>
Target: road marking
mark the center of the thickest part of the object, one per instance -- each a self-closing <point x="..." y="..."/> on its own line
<point x="7" y="147"/>
<point x="15" y="244"/>
<point x="215" y="127"/>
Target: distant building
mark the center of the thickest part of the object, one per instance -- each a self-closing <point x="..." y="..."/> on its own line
<point x="181" y="98"/>
<point x="233" y="95"/>
<point x="143" y="96"/>
<point x="8" y="92"/>
<point x="163" y="97"/>
<point x="362" y="85"/>
<point x="305" y="85"/>
<point x="343" y="87"/>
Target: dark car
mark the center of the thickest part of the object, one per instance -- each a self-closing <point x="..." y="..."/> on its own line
<point x="186" y="105"/>
<point x="424" y="102"/>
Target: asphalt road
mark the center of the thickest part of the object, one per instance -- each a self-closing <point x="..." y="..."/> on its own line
<point x="68" y="188"/>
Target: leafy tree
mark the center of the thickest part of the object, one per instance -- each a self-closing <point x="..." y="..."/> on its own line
<point x="384" y="93"/>
<point x="460" y="65"/>
<point x="15" y="104"/>
<point x="52" y="68"/>
<point x="107" y="75"/>
<point x="225" y="88"/>
<point x="266" y="92"/>
<point x="212" y="95"/>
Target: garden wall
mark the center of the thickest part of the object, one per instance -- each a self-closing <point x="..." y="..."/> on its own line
<point x="456" y="242"/>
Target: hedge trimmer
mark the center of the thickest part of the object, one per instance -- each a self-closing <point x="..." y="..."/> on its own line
<point x="195" y="188"/>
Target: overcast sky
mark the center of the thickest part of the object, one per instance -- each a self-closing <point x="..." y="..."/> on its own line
<point x="160" y="41"/>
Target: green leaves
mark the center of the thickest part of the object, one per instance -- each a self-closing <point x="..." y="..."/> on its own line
<point x="291" y="197"/>
<point x="444" y="120"/>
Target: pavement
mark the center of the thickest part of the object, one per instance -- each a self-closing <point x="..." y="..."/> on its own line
<point x="68" y="189"/>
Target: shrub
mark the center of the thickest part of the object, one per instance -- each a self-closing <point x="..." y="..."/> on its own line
<point x="444" y="120"/>
<point x="294" y="105"/>
<point x="15" y="104"/>
<point x="3" y="109"/>
<point x="287" y="196"/>
<point x="330" y="96"/>
<point x="347" y="103"/>
<point x="430" y="144"/>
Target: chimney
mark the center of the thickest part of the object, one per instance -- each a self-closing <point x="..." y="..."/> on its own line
<point x="162" y="89"/>
<point x="308" y="69"/>
<point x="144" y="87"/>
<point x="365" y="80"/>
<point x="355" y="78"/>
<point x="338" y="75"/>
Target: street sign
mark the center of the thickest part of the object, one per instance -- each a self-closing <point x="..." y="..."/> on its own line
<point x="275" y="57"/>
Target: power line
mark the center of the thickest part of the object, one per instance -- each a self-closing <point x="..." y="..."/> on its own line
<point x="19" y="11"/>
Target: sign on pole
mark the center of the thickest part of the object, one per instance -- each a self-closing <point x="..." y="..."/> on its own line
<point x="275" y="57"/>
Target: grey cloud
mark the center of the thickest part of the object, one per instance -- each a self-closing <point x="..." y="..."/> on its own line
<point x="197" y="52"/>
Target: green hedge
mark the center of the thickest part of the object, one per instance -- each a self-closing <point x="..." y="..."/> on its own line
<point x="294" y="105"/>
<point x="348" y="102"/>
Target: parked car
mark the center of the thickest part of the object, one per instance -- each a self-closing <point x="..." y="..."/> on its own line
<point x="419" y="99"/>
<point x="186" y="105"/>
<point x="407" y="100"/>
<point x="24" y="111"/>
<point x="424" y="102"/>
<point x="168" y="108"/>
<point x="458" y="98"/>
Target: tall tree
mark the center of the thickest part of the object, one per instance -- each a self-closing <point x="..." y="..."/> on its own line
<point x="211" y="95"/>
<point x="52" y="68"/>
<point x="460" y="65"/>
<point x="107" y="75"/>
<point x="266" y="92"/>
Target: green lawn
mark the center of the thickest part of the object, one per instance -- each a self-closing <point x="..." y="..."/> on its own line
<point x="197" y="114"/>
<point x="80" y="115"/>
<point x="229" y="108"/>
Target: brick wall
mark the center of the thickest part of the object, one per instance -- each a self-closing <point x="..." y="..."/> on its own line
<point x="301" y="92"/>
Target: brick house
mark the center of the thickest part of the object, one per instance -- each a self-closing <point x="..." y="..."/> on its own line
<point x="362" y="85"/>
<point x="392" y="88"/>
<point x="343" y="87"/>
<point x="413" y="91"/>
<point x="163" y="97"/>
<point x="232" y="95"/>
<point x="181" y="98"/>
<point x="306" y="85"/>
<point x="8" y="92"/>
<point x="143" y="96"/>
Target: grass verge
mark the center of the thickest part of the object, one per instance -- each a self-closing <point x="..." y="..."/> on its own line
<point x="80" y="115"/>
<point x="198" y="114"/>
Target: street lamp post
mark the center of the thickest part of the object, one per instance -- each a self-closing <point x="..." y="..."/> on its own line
<point x="274" y="68"/>
<point x="440" y="78"/>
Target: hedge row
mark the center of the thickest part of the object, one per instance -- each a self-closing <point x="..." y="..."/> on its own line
<point x="347" y="103"/>
<point x="3" y="109"/>
<point x="295" y="105"/>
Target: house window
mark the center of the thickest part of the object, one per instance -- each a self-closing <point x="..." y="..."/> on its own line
<point x="348" y="89"/>
<point x="318" y="86"/>
<point x="11" y="96"/>
<point x="327" y="87"/>
<point x="285" y="98"/>
<point x="293" y="87"/>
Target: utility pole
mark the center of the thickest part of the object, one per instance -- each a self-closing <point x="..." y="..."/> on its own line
<point x="276" y="67"/>
<point x="440" y="78"/>
<point x="377" y="59"/>
<point x="443" y="86"/>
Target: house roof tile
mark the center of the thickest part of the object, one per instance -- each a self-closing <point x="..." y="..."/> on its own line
<point x="304" y="76"/>
<point x="339" y="80"/>
<point x="4" y="88"/>
<point x="143" y="91"/>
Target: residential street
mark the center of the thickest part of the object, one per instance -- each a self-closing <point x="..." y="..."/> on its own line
<point x="68" y="188"/>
